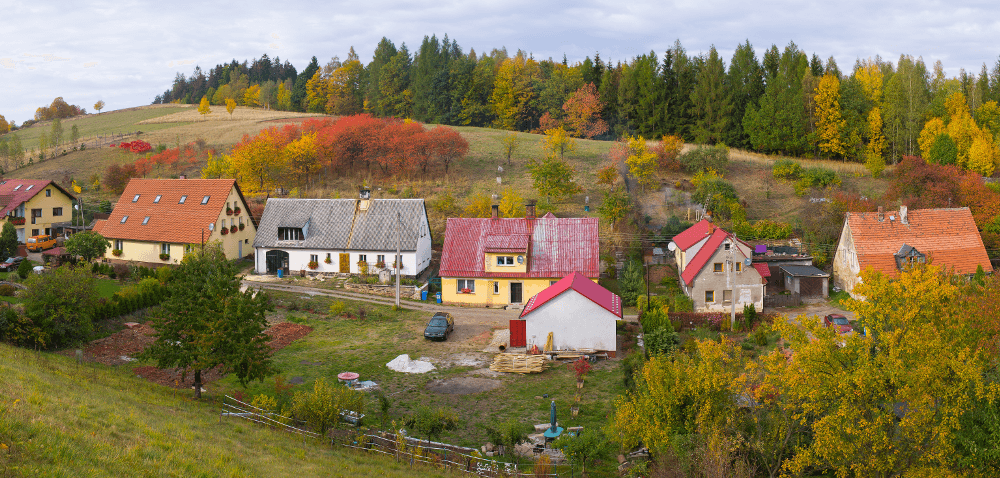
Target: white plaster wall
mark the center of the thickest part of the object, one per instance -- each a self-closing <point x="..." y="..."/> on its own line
<point x="845" y="264"/>
<point x="298" y="259"/>
<point x="693" y="251"/>
<point x="575" y="321"/>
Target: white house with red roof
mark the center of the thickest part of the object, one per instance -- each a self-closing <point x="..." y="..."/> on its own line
<point x="496" y="261"/>
<point x="579" y="313"/>
<point x="715" y="269"/>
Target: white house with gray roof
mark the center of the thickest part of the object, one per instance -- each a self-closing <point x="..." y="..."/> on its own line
<point x="342" y="235"/>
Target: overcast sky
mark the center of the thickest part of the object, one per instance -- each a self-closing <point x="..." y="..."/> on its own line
<point x="126" y="52"/>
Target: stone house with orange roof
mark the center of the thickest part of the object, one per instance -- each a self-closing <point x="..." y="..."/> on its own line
<point x="889" y="242"/>
<point x="157" y="221"/>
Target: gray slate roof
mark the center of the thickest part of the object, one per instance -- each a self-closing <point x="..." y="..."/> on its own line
<point x="803" y="271"/>
<point x="338" y="224"/>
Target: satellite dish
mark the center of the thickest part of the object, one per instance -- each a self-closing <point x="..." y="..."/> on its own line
<point x="520" y="259"/>
<point x="747" y="262"/>
<point x="672" y="246"/>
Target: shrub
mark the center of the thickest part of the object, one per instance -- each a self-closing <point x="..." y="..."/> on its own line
<point x="716" y="194"/>
<point x="704" y="158"/>
<point x="23" y="269"/>
<point x="631" y="282"/>
<point x="122" y="271"/>
<point x="759" y="336"/>
<point x="7" y="290"/>
<point x="321" y="407"/>
<point x="337" y="308"/>
<point x="661" y="341"/>
<point x="786" y="169"/>
<point x="816" y="178"/>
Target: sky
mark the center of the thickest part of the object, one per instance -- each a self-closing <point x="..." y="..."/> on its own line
<point x="125" y="52"/>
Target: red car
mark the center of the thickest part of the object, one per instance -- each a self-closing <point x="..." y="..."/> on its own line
<point x="839" y="323"/>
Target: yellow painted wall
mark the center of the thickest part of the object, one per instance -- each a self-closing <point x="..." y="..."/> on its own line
<point x="46" y="204"/>
<point x="484" y="295"/>
<point x="146" y="252"/>
<point x="491" y="263"/>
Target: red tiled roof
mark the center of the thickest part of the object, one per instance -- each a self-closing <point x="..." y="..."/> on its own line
<point x="586" y="287"/>
<point x="169" y="221"/>
<point x="14" y="192"/>
<point x="507" y="243"/>
<point x="762" y="269"/>
<point x="693" y="234"/>
<point x="556" y="247"/>
<point x="948" y="237"/>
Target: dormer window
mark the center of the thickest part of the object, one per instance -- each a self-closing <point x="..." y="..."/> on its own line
<point x="505" y="260"/>
<point x="124" y="218"/>
<point x="136" y="197"/>
<point x="156" y="200"/>
<point x="290" y="234"/>
<point x="29" y="187"/>
<point x="183" y="198"/>
<point x="908" y="256"/>
<point x="144" y="221"/>
<point x="18" y="187"/>
<point x="204" y="200"/>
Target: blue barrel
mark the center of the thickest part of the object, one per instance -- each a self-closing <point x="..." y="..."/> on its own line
<point x="280" y="273"/>
<point x="423" y="295"/>
<point x="586" y="208"/>
<point x="437" y="295"/>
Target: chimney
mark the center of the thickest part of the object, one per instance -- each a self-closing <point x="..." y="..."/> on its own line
<point x="881" y="214"/>
<point x="183" y="176"/>
<point x="529" y="209"/>
<point x="902" y="215"/>
<point x="494" y="211"/>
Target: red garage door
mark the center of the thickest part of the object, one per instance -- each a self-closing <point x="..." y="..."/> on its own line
<point x="517" y="337"/>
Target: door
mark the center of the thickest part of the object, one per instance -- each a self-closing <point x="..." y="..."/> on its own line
<point x="276" y="260"/>
<point x="515" y="292"/>
<point x="518" y="336"/>
<point x="345" y="263"/>
<point x="241" y="248"/>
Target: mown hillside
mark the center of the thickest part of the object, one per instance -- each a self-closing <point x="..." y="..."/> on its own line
<point x="58" y="418"/>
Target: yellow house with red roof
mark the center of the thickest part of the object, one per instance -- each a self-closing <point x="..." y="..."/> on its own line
<point x="157" y="221"/>
<point x="34" y="206"/>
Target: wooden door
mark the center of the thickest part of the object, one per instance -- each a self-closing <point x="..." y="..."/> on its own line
<point x="345" y="263"/>
<point x="518" y="336"/>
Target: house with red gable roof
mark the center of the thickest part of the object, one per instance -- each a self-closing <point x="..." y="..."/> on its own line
<point x="715" y="269"/>
<point x="497" y="262"/>
<point x="579" y="313"/>
<point x="889" y="242"/>
<point x="35" y="207"/>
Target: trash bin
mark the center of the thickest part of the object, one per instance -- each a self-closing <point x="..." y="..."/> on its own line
<point x="280" y="273"/>
<point x="423" y="295"/>
<point x="437" y="295"/>
<point x="586" y="208"/>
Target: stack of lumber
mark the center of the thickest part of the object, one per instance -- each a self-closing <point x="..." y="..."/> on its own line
<point x="518" y="363"/>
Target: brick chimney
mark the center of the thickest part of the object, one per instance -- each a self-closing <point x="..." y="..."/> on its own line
<point x="494" y="211"/>
<point x="902" y="215"/>
<point x="881" y="214"/>
<point x="529" y="209"/>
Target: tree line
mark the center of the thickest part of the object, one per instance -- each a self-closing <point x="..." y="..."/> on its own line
<point x="786" y="102"/>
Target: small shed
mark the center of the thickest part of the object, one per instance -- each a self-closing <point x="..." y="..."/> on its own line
<point x="578" y="312"/>
<point x="807" y="281"/>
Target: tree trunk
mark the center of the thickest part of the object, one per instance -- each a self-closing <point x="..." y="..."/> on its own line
<point x="197" y="384"/>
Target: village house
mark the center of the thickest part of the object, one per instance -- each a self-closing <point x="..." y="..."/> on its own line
<point x="157" y="221"/>
<point x="889" y="242"/>
<point x="349" y="236"/>
<point x="35" y="206"/>
<point x="579" y="314"/>
<point x="496" y="262"/>
<point x="716" y="268"/>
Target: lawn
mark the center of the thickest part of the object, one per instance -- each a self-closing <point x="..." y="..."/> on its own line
<point x="365" y="346"/>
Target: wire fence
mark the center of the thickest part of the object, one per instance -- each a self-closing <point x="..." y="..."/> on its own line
<point x="403" y="448"/>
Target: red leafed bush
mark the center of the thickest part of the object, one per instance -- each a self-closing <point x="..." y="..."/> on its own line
<point x="137" y="146"/>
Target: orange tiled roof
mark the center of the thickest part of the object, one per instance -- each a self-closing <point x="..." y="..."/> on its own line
<point x="948" y="237"/>
<point x="169" y="221"/>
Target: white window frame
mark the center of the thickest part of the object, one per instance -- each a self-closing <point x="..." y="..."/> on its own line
<point x="119" y="244"/>
<point x="505" y="261"/>
<point x="466" y="284"/>
<point x="165" y="248"/>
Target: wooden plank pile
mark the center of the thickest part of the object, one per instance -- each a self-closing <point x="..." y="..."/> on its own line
<point x="518" y="363"/>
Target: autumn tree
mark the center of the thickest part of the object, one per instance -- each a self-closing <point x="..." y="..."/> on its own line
<point x="449" y="145"/>
<point x="553" y="177"/>
<point x="640" y="161"/>
<point x="557" y="142"/>
<point x="583" y="113"/>
<point x="830" y="124"/>
<point x="99" y="106"/>
<point x="207" y="321"/>
<point x="251" y="97"/>
<point x="511" y="203"/>
<point x="230" y="107"/>
<point x="615" y="206"/>
<point x="870" y="76"/>
<point x="508" y="144"/>
<point x="258" y="161"/>
<point x="204" y="108"/>
<point x="479" y="206"/>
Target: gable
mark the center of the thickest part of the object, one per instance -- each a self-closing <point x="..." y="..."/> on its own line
<point x="15" y="192"/>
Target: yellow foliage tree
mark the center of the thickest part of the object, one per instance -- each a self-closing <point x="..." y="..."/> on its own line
<point x="874" y="161"/>
<point x="230" y="107"/>
<point x="204" y="107"/>
<point x="300" y="157"/>
<point x="932" y="129"/>
<point x="479" y="206"/>
<point x="557" y="143"/>
<point x="830" y="124"/>
<point x="641" y="162"/>
<point x="511" y="203"/>
<point x="217" y="167"/>
<point x="284" y="97"/>
<point x="251" y="96"/>
<point x="983" y="155"/>
<point x="258" y="162"/>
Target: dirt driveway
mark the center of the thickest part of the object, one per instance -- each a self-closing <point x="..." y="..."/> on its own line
<point x="815" y="311"/>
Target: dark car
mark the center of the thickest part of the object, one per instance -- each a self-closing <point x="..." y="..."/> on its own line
<point x="11" y="263"/>
<point x="839" y="323"/>
<point x="439" y="326"/>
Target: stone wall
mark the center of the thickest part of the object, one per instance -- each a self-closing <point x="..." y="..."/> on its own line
<point x="409" y="291"/>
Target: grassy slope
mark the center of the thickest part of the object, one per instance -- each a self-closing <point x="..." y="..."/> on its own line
<point x="61" y="419"/>
<point x="119" y="121"/>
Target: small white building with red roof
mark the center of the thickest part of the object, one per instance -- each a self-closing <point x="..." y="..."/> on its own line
<point x="715" y="269"/>
<point x="578" y="312"/>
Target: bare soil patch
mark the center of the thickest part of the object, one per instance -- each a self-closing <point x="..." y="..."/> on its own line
<point x="463" y="385"/>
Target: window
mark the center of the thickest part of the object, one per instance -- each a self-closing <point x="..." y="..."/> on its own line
<point x="709" y="296"/>
<point x="232" y="222"/>
<point x="29" y="187"/>
<point x="469" y="284"/>
<point x="728" y="246"/>
<point x="739" y="266"/>
<point x="34" y="232"/>
<point x="552" y="282"/>
<point x="362" y="257"/>
<point x="57" y="211"/>
<point x="124" y="218"/>
<point x="717" y="267"/>
<point x="165" y="248"/>
<point x="119" y="244"/>
<point x="204" y="200"/>
<point x="380" y="258"/>
<point x="505" y="260"/>
<point x="156" y="200"/>
<point x="18" y="187"/>
<point x="496" y="288"/>
<point x="288" y="233"/>
<point x="314" y="258"/>
<point x="146" y="220"/>
<point x="48" y="193"/>
<point x="727" y="296"/>
<point x="183" y="198"/>
<point x="188" y="248"/>
<point x="136" y="197"/>
<point x="328" y="258"/>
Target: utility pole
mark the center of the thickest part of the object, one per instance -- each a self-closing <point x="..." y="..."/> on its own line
<point x="397" y="262"/>
<point x="731" y="285"/>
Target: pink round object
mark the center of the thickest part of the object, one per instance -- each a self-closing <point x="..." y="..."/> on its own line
<point x="348" y="376"/>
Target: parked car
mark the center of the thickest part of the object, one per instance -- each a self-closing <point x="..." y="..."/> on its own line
<point x="11" y="263"/>
<point x="440" y="325"/>
<point x="839" y="323"/>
